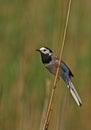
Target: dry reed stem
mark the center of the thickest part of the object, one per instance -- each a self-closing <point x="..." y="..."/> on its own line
<point x="56" y="76"/>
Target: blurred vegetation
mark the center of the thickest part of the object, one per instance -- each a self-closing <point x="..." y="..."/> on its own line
<point x="24" y="83"/>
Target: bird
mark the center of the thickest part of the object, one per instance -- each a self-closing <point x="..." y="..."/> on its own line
<point x="51" y="61"/>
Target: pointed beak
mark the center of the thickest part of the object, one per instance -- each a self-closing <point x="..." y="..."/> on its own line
<point x="37" y="50"/>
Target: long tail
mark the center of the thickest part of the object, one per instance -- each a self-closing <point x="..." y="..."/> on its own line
<point x="74" y="93"/>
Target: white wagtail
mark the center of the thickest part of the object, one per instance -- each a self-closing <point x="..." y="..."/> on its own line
<point x="50" y="60"/>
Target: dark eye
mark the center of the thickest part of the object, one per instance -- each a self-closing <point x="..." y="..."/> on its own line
<point x="44" y="49"/>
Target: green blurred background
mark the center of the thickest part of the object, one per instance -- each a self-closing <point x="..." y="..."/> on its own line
<point x="25" y="85"/>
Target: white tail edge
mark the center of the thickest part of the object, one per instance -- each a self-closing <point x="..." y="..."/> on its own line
<point x="74" y="93"/>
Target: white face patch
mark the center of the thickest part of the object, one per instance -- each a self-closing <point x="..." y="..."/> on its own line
<point x="45" y="51"/>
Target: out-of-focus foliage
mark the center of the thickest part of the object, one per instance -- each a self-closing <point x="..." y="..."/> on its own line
<point x="24" y="82"/>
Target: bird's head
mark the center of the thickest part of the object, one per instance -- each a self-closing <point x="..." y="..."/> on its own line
<point x="46" y="54"/>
